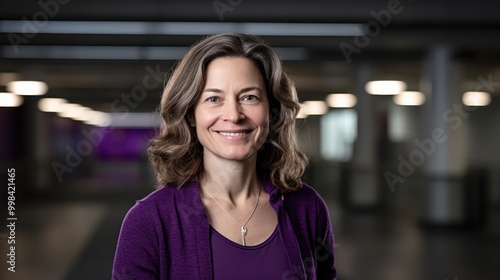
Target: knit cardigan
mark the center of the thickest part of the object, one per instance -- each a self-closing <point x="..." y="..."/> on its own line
<point x="166" y="235"/>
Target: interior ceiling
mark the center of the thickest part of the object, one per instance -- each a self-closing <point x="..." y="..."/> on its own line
<point x="470" y="28"/>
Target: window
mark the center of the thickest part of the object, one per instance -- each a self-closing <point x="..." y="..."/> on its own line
<point x="338" y="133"/>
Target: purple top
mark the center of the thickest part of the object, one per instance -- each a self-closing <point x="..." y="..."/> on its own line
<point x="267" y="260"/>
<point x="166" y="235"/>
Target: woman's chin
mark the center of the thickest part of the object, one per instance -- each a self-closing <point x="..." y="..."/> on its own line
<point x="238" y="156"/>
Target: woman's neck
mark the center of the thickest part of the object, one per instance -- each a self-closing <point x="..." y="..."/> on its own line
<point x="230" y="179"/>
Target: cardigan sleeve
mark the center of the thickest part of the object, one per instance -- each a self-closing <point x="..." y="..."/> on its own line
<point x="136" y="254"/>
<point x="325" y="244"/>
<point x="313" y="229"/>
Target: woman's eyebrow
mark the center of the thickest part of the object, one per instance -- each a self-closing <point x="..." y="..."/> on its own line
<point x="216" y="90"/>
<point x="247" y="89"/>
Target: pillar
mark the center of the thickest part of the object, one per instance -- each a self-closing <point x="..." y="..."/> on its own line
<point x="445" y="125"/>
<point x="363" y="189"/>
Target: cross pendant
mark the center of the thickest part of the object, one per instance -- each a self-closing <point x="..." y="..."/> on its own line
<point x="243" y="233"/>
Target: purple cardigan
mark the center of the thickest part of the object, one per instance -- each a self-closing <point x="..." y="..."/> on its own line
<point x="166" y="236"/>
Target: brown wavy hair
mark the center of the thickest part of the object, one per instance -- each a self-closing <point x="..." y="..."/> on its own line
<point x="176" y="154"/>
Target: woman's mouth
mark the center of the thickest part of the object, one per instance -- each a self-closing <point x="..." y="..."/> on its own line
<point x="232" y="134"/>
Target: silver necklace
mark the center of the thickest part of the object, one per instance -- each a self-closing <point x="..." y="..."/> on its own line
<point x="243" y="227"/>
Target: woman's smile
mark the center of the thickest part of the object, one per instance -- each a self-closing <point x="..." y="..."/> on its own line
<point x="234" y="135"/>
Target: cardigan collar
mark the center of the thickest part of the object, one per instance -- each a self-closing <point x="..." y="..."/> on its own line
<point x="190" y="193"/>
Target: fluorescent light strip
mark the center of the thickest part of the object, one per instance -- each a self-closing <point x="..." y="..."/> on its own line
<point x="53" y="105"/>
<point x="385" y="87"/>
<point x="95" y="52"/>
<point x="187" y="28"/>
<point x="476" y="98"/>
<point x="409" y="98"/>
<point x="8" y="99"/>
<point x="314" y="107"/>
<point x="135" y="119"/>
<point x="303" y="29"/>
<point x="27" y="87"/>
<point x="119" y="52"/>
<point x="341" y="100"/>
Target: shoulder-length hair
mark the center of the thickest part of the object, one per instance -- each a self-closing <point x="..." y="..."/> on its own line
<point x="176" y="154"/>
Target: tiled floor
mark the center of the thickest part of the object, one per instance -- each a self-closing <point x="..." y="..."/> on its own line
<point x="76" y="240"/>
<point x="51" y="237"/>
<point x="372" y="246"/>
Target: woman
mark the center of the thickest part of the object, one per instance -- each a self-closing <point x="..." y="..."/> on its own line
<point x="232" y="205"/>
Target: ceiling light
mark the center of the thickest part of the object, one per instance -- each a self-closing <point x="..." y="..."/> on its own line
<point x="135" y="120"/>
<point x="53" y="105"/>
<point x="80" y="113"/>
<point x="409" y="98"/>
<point x="385" y="87"/>
<point x="68" y="110"/>
<point x="27" y="87"/>
<point x="188" y="28"/>
<point x="98" y="119"/>
<point x="341" y="100"/>
<point x="8" y="99"/>
<point x="315" y="107"/>
<point x="121" y="52"/>
<point x="84" y="114"/>
<point x="476" y="98"/>
<point x="302" y="112"/>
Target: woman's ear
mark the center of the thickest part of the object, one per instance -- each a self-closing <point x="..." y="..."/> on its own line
<point x="191" y="120"/>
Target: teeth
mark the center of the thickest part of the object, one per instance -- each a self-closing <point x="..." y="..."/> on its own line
<point x="232" y="133"/>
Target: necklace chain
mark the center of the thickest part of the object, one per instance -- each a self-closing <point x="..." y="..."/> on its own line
<point x="244" y="230"/>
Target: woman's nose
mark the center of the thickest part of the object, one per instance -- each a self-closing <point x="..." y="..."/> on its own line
<point x="232" y="112"/>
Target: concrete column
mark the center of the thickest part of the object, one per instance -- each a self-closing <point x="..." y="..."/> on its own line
<point x="37" y="146"/>
<point x="37" y="135"/>
<point x="363" y="189"/>
<point x="444" y="129"/>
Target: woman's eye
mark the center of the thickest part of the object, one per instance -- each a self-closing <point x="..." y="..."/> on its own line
<point x="212" y="99"/>
<point x="250" y="98"/>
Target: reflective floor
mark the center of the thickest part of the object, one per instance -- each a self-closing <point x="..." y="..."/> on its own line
<point x="378" y="246"/>
<point x="71" y="237"/>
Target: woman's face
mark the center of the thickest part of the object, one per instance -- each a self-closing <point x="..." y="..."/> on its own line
<point x="232" y="113"/>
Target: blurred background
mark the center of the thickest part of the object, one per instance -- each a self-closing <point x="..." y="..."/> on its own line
<point x="400" y="119"/>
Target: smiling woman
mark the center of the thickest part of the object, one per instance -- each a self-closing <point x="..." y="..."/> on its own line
<point x="230" y="203"/>
<point x="232" y="114"/>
